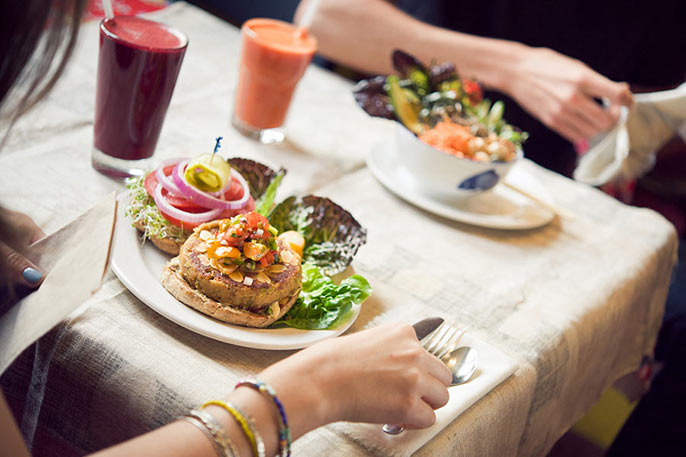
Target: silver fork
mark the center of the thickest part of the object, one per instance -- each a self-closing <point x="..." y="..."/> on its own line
<point x="443" y="340"/>
<point x="440" y="342"/>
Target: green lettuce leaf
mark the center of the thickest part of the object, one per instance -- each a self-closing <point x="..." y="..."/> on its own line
<point x="258" y="175"/>
<point x="322" y="304"/>
<point x="332" y="235"/>
<point x="264" y="204"/>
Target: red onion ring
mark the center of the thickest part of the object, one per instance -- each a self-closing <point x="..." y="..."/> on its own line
<point x="205" y="199"/>
<point x="191" y="218"/>
<point x="165" y="180"/>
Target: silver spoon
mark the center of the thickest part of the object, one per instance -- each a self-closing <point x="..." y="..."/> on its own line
<point x="462" y="363"/>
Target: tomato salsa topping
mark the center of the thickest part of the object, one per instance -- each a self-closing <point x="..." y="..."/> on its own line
<point x="246" y="242"/>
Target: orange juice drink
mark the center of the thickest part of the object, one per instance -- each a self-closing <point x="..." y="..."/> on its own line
<point x="273" y="59"/>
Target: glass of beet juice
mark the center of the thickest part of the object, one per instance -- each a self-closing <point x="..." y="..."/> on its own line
<point x="138" y="64"/>
<point x="273" y="59"/>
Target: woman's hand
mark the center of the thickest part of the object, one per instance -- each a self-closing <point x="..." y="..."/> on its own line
<point x="560" y="92"/>
<point x="380" y="375"/>
<point x="17" y="232"/>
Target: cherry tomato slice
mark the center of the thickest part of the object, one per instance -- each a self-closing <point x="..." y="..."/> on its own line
<point x="150" y="183"/>
<point x="182" y="203"/>
<point x="257" y="221"/>
<point x="268" y="259"/>
<point x="235" y="191"/>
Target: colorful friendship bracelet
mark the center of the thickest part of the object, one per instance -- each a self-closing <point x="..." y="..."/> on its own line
<point x="247" y="425"/>
<point x="213" y="429"/>
<point x="284" y="430"/>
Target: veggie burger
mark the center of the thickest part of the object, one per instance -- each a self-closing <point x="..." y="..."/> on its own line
<point x="231" y="262"/>
<point x="236" y="270"/>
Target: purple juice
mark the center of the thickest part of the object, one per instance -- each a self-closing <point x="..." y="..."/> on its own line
<point x="138" y="64"/>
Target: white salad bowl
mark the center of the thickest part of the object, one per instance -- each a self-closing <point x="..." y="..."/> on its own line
<point x="442" y="175"/>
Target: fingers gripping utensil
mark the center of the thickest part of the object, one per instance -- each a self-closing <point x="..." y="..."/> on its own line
<point x="461" y="361"/>
<point x="426" y="326"/>
<point x="423" y="329"/>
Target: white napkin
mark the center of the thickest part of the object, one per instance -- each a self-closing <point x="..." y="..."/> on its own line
<point x="74" y="259"/>
<point x="628" y="150"/>
<point x="493" y="367"/>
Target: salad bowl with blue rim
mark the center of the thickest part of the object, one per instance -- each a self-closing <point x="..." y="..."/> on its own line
<point x="447" y="176"/>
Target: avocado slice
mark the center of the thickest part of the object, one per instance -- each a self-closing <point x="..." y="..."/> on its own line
<point x="406" y="105"/>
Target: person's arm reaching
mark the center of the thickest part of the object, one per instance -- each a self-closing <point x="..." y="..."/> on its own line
<point x="556" y="89"/>
<point x="382" y="375"/>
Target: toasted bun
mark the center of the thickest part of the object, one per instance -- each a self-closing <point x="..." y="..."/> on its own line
<point x="167" y="245"/>
<point x="174" y="282"/>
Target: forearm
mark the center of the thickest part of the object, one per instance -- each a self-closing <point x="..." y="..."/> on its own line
<point x="178" y="439"/>
<point x="304" y="407"/>
<point x="362" y="34"/>
<point x="381" y="375"/>
<point x="183" y="439"/>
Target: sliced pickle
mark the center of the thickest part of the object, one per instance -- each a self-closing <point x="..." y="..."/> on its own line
<point x="208" y="172"/>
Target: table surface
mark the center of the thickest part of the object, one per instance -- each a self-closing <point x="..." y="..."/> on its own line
<point x="577" y="303"/>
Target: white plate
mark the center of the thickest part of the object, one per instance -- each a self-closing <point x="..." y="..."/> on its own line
<point x="139" y="266"/>
<point x="499" y="208"/>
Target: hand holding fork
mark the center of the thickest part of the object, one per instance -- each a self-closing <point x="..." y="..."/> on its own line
<point x="440" y="343"/>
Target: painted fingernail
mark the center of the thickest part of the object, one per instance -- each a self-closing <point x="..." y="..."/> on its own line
<point x="32" y="275"/>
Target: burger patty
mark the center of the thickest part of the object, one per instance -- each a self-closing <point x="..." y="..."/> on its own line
<point x="200" y="274"/>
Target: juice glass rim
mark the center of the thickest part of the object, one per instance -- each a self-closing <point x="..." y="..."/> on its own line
<point x="247" y="30"/>
<point x="176" y="32"/>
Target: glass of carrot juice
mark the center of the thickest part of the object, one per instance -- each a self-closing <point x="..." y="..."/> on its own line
<point x="274" y="57"/>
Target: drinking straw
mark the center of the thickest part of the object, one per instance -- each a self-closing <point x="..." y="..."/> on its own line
<point x="307" y="18"/>
<point x="107" y="6"/>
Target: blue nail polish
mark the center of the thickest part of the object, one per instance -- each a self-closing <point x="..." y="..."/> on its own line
<point x="32" y="275"/>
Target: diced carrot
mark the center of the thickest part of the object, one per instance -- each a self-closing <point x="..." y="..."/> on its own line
<point x="448" y="137"/>
<point x="254" y="251"/>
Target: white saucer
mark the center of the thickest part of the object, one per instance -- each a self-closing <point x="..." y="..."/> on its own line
<point x="499" y="208"/>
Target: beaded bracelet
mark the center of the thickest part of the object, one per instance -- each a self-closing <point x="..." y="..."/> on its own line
<point x="247" y="425"/>
<point x="284" y="430"/>
<point x="213" y="429"/>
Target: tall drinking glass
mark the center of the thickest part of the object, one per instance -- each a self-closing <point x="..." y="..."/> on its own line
<point x="273" y="59"/>
<point x="138" y="64"/>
